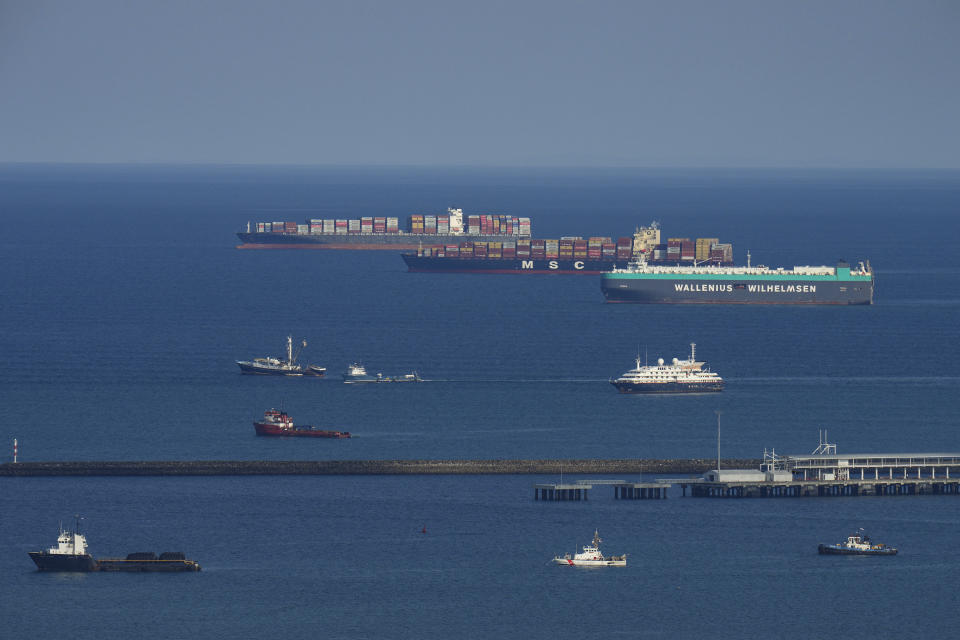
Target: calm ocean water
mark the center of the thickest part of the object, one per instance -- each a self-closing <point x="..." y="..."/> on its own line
<point x="125" y="305"/>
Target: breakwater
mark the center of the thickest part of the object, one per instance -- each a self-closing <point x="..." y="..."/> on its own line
<point x="364" y="467"/>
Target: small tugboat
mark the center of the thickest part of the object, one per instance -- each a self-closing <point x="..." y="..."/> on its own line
<point x="70" y="554"/>
<point x="591" y="556"/>
<point x="281" y="366"/>
<point x="357" y="373"/>
<point x="278" y="423"/>
<point x="682" y="376"/>
<point x="859" y="544"/>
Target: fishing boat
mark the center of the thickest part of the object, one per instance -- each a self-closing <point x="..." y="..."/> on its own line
<point x="278" y="423"/>
<point x="858" y="544"/>
<point x="591" y="556"/>
<point x="288" y="366"/>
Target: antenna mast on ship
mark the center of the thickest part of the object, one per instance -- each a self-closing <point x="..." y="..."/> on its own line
<point x="718" y="412"/>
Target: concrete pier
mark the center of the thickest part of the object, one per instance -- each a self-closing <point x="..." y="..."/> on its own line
<point x="640" y="491"/>
<point x="807" y="489"/>
<point x="561" y="492"/>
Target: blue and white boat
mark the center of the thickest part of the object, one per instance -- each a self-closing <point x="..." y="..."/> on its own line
<point x="859" y="544"/>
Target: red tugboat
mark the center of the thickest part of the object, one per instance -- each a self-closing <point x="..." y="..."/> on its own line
<point x="278" y="423"/>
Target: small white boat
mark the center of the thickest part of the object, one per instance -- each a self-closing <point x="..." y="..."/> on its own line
<point x="356" y="372"/>
<point x="591" y="556"/>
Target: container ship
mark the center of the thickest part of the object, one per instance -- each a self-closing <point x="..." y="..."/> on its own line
<point x="589" y="256"/>
<point x="640" y="282"/>
<point x="384" y="232"/>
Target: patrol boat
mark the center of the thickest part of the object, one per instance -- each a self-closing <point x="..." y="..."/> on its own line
<point x="859" y="544"/>
<point x="70" y="554"/>
<point x="591" y="556"/>
<point x="681" y="376"/>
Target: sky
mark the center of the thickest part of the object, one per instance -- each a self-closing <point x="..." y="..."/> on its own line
<point x="681" y="83"/>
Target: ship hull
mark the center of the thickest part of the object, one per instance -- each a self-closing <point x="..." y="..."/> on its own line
<point x="147" y="566"/>
<point x="626" y="287"/>
<point x="264" y="429"/>
<point x="359" y="241"/>
<point x="590" y="563"/>
<point x="246" y="367"/>
<point x="433" y="264"/>
<point x="834" y="550"/>
<point x="667" y="387"/>
<point x="62" y="562"/>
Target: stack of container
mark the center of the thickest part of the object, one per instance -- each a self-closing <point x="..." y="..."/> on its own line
<point x="379" y="225"/>
<point x="353" y="226"/>
<point x="366" y="225"/>
<point x="595" y="248"/>
<point x="704" y="245"/>
<point x="722" y="253"/>
<point x="340" y="226"/>
<point x="674" y="246"/>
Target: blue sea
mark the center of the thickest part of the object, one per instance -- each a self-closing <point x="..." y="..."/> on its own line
<point x="125" y="305"/>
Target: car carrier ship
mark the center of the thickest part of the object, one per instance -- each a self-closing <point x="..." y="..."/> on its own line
<point x="640" y="282"/>
<point x="384" y="232"/>
<point x="588" y="256"/>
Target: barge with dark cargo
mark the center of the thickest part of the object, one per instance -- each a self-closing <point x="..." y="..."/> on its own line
<point x="71" y="555"/>
<point x="383" y="232"/>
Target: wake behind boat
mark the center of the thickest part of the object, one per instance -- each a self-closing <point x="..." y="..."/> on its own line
<point x="278" y="423"/>
<point x="591" y="556"/>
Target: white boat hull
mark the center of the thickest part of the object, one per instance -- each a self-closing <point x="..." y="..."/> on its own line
<point x="606" y="562"/>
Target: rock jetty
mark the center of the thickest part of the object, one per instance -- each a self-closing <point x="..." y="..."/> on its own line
<point x="366" y="467"/>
